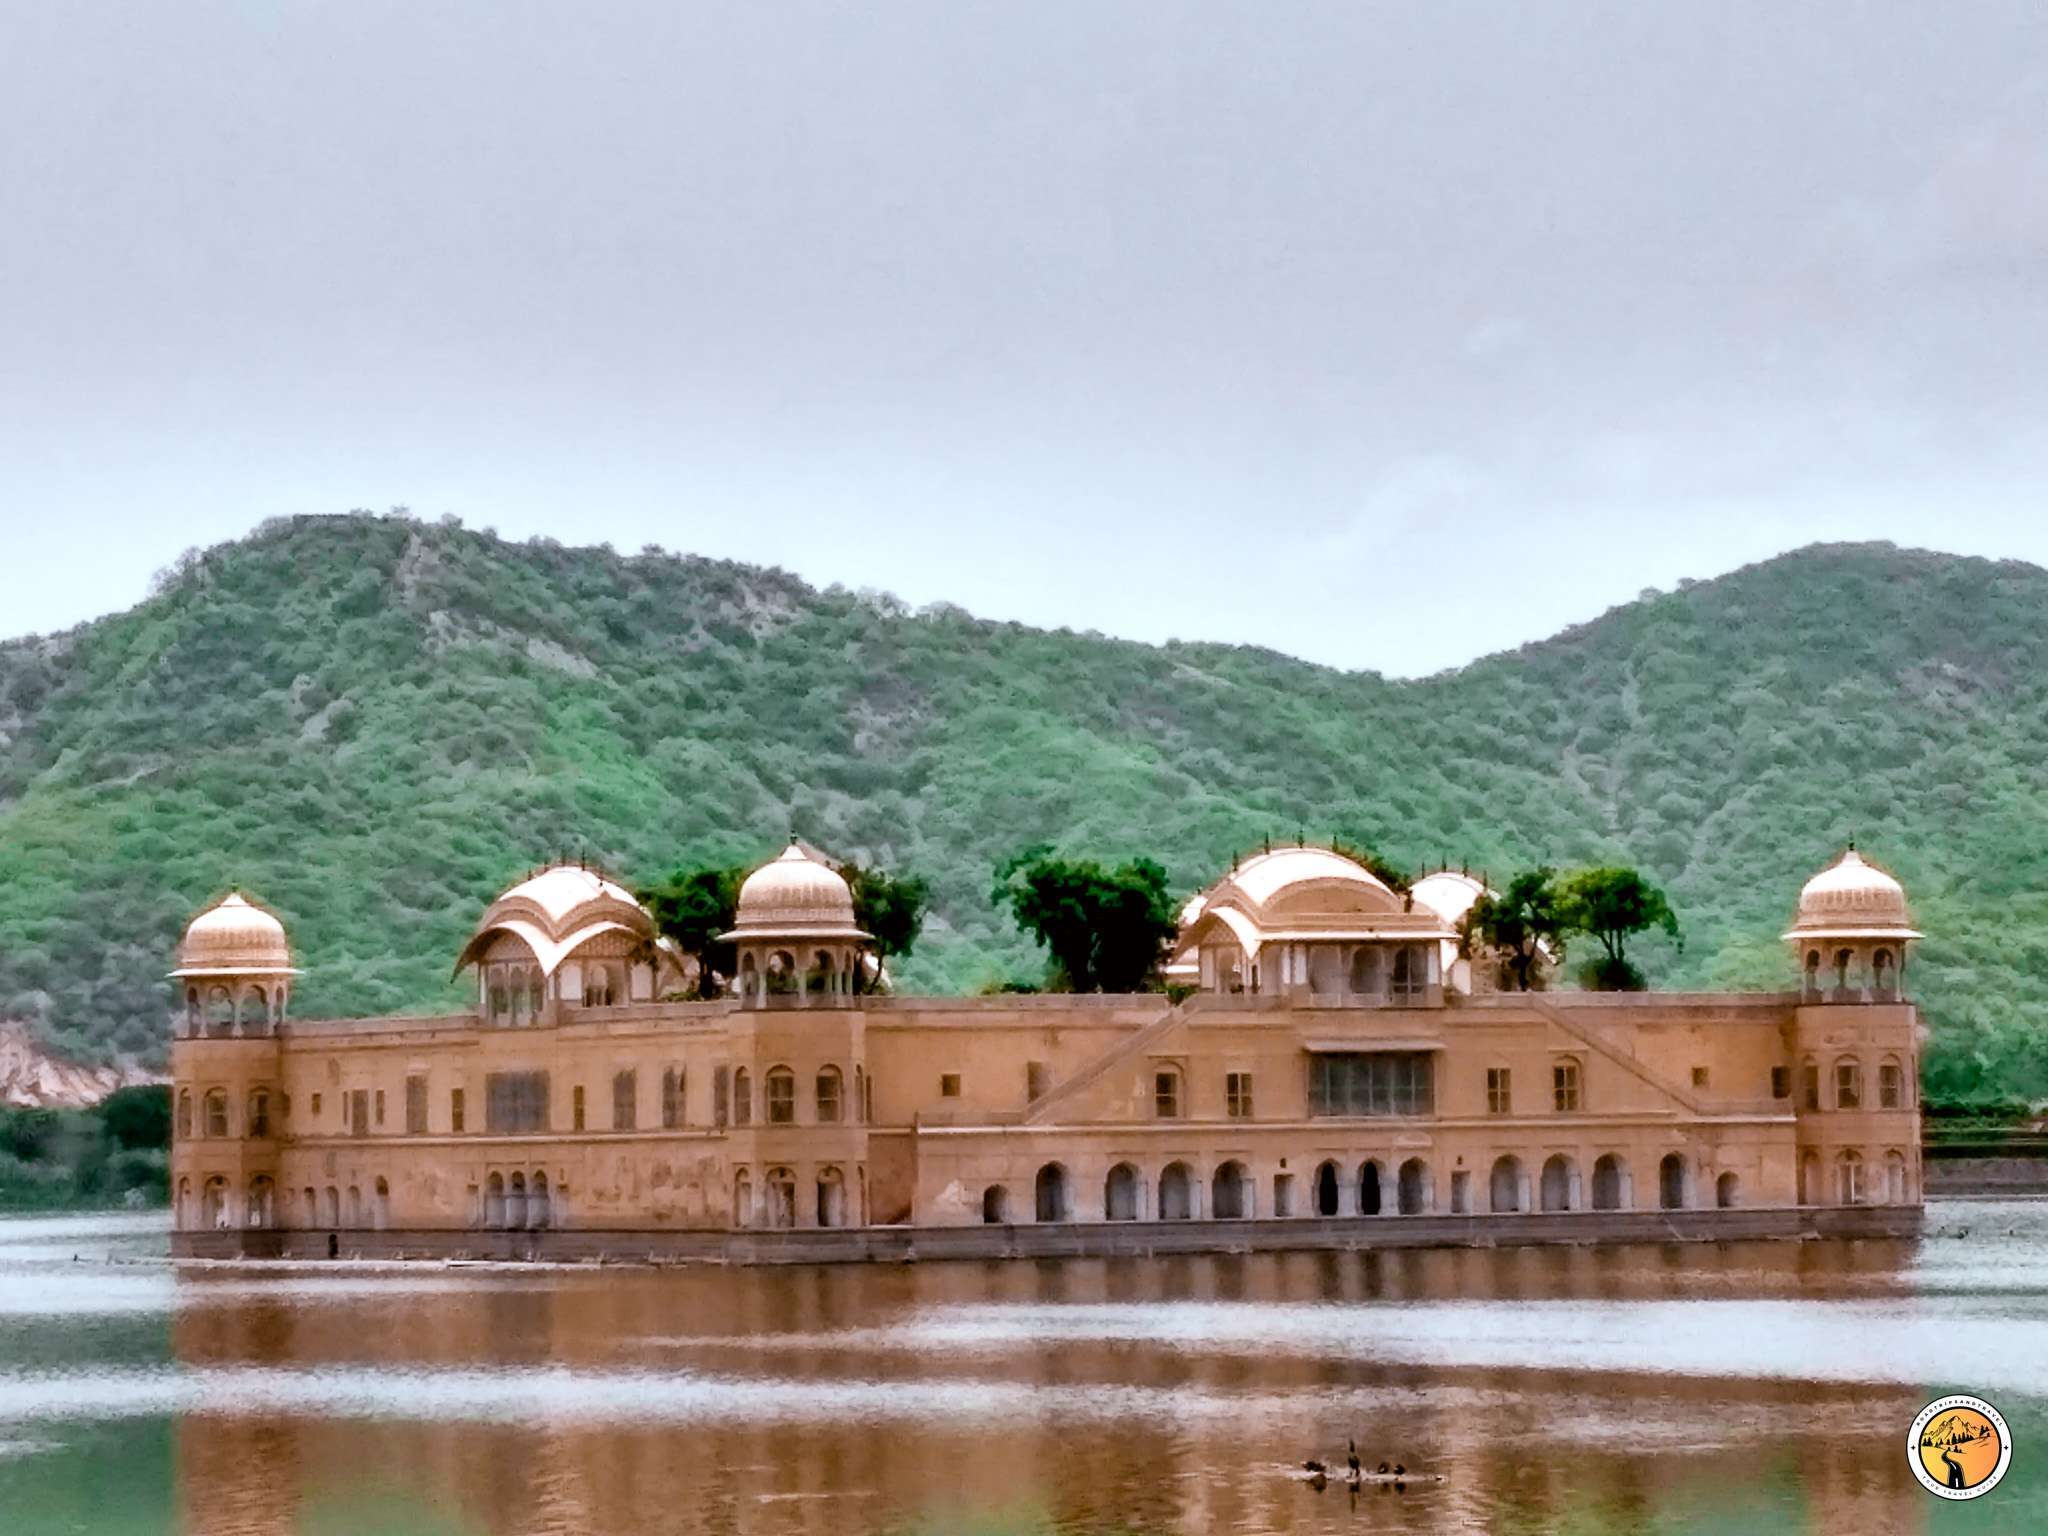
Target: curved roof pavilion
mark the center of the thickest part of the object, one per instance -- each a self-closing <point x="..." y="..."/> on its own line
<point x="1307" y="895"/>
<point x="556" y="911"/>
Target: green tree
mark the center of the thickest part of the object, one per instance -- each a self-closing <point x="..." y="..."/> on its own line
<point x="1385" y="871"/>
<point x="139" y="1118"/>
<point x="891" y="907"/>
<point x="1106" y="929"/>
<point x="1611" y="903"/>
<point x="1524" y="922"/>
<point x="691" y="909"/>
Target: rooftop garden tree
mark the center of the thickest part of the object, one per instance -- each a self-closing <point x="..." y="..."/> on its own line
<point x="691" y="909"/>
<point x="891" y="907"/>
<point x="1611" y="904"/>
<point x="1106" y="930"/>
<point x="1523" y="924"/>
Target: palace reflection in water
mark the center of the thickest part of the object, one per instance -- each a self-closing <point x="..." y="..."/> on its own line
<point x="1084" y="1395"/>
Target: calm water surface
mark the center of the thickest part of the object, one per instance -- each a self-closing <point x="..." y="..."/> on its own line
<point x="1682" y="1388"/>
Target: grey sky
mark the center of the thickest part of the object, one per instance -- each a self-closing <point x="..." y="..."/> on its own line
<point x="1384" y="335"/>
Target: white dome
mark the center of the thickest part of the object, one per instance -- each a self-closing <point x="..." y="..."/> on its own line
<point x="796" y="896"/>
<point x="234" y="936"/>
<point x="1852" y="899"/>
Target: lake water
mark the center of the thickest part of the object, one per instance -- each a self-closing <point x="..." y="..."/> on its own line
<point x="1674" y="1388"/>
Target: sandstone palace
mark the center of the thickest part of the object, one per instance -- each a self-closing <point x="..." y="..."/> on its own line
<point x="1338" y="1076"/>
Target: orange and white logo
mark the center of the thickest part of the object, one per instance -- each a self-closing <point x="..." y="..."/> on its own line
<point x="1959" y="1447"/>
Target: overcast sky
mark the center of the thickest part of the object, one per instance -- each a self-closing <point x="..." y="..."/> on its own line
<point x="1383" y="335"/>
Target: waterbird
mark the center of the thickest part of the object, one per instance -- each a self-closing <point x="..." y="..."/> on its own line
<point x="1352" y="1459"/>
<point x="1312" y="1465"/>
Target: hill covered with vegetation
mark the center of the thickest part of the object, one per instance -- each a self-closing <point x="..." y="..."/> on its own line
<point x="374" y="724"/>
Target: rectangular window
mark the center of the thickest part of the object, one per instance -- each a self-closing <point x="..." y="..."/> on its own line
<point x="576" y="1107"/>
<point x="721" y="1096"/>
<point x="949" y="1085"/>
<point x="1781" y="1083"/>
<point x="828" y="1096"/>
<point x="781" y="1097"/>
<point x="867" y="1099"/>
<point x="1237" y="1095"/>
<point x="259" y="1115"/>
<point x="1166" y="1095"/>
<point x="1037" y="1079"/>
<point x="359" y="1113"/>
<point x="316" y="1106"/>
<point x="671" y="1099"/>
<point x="1848" y="1085"/>
<point x="1890" y="1086"/>
<point x="416" y="1106"/>
<point x="1699" y="1077"/>
<point x="625" y="1094"/>
<point x="1371" y="1083"/>
<point x="516" y="1102"/>
<point x="455" y="1111"/>
<point x="1809" y="1086"/>
<point x="380" y="1106"/>
<point x="1564" y="1086"/>
<point x="1500" y="1096"/>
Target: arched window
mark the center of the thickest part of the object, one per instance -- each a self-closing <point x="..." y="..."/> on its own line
<point x="220" y="1011"/>
<point x="1413" y="1187"/>
<point x="1849" y="1178"/>
<point x="333" y="1204"/>
<point x="1369" y="1188"/>
<point x="781" y="1096"/>
<point x="494" y="1201"/>
<point x="1051" y="1202"/>
<point x="261" y="1211"/>
<point x="1891" y="1085"/>
<point x="259" y="1114"/>
<point x="600" y="987"/>
<point x="380" y="1205"/>
<point x="742" y="1199"/>
<point x="1884" y="976"/>
<point x="1504" y="1185"/>
<point x="742" y="1098"/>
<point x="1727" y="1191"/>
<point x="1848" y="1083"/>
<point x="860" y="1101"/>
<point x="213" y="1204"/>
<point x="1813" y="973"/>
<point x="1361" y="971"/>
<point x="1329" y="1202"/>
<point x="355" y="1206"/>
<point x="1671" y="1181"/>
<point x="1842" y="959"/>
<point x="1895" y="1177"/>
<point x="831" y="1198"/>
<point x="782" y="975"/>
<point x="1230" y="1192"/>
<point x="819" y="978"/>
<point x="828" y="1096"/>
<point x="1176" y="1193"/>
<point x="1559" y="1177"/>
<point x="194" y="1012"/>
<point x="515" y="1202"/>
<point x="1609" y="1176"/>
<point x="995" y="1205"/>
<point x="181" y="1207"/>
<point x="184" y="1114"/>
<point x="781" y="1198"/>
<point x="1121" y="1197"/>
<point x="540" y="1206"/>
<point x="253" y="1009"/>
<point x="216" y="1112"/>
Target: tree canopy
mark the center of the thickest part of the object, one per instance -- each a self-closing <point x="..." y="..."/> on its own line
<point x="1524" y="923"/>
<point x="691" y="909"/>
<point x="1611" y="904"/>
<point x="1106" y="930"/>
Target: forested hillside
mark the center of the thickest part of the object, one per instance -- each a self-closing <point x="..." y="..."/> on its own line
<point x="374" y="724"/>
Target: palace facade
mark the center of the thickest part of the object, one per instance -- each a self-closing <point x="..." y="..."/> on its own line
<point x="1334" y="1071"/>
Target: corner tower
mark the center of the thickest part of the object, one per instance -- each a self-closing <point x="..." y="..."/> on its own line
<point x="236" y="966"/>
<point x="1851" y="934"/>
<point x="795" y="932"/>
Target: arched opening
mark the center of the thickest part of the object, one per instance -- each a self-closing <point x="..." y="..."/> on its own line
<point x="743" y="1199"/>
<point x="1895" y="1177"/>
<point x="820" y="976"/>
<point x="995" y="1205"/>
<point x="1849" y="1178"/>
<point x="781" y="1198"/>
<point x="1369" y="1188"/>
<point x="1727" y="1191"/>
<point x="781" y="1096"/>
<point x="1325" y="969"/>
<point x="220" y="1012"/>
<point x="1559" y="1175"/>
<point x="262" y="1197"/>
<point x="860" y="1089"/>
<point x="1809" y="1179"/>
<point x="1848" y="1083"/>
<point x="1121" y="1198"/>
<point x="831" y="1198"/>
<point x="1329" y="1197"/>
<point x="1367" y="972"/>
<point x="380" y="1205"/>
<point x="1608" y="1178"/>
<point x="828" y="1084"/>
<point x="1051" y="1202"/>
<point x="1842" y="959"/>
<point x="1884" y="976"/>
<point x="1671" y="1179"/>
<point x="355" y="1206"/>
<point x="782" y="974"/>
<point x="742" y="1098"/>
<point x="181" y="1206"/>
<point x="1230" y="1192"/>
<point x="184" y="1124"/>
<point x="332" y="1200"/>
<point x="750" y="978"/>
<point x="1176" y="1193"/>
<point x="1813" y="973"/>
<point x="216" y="1107"/>
<point x="1413" y="1187"/>
<point x="259" y="1114"/>
<point x="540" y="1205"/>
<point x="1283" y="1194"/>
<point x="213" y="1204"/>
<point x="494" y="1201"/>
<point x="515" y="1202"/>
<point x="1504" y="1185"/>
<point x="1891" y="1085"/>
<point x="252" y="1011"/>
<point x="1410" y="977"/>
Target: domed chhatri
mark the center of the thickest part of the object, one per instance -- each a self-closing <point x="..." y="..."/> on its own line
<point x="792" y="904"/>
<point x="236" y="962"/>
<point x="1852" y="930"/>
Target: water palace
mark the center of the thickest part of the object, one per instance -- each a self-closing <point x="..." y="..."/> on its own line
<point x="1338" y="1076"/>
